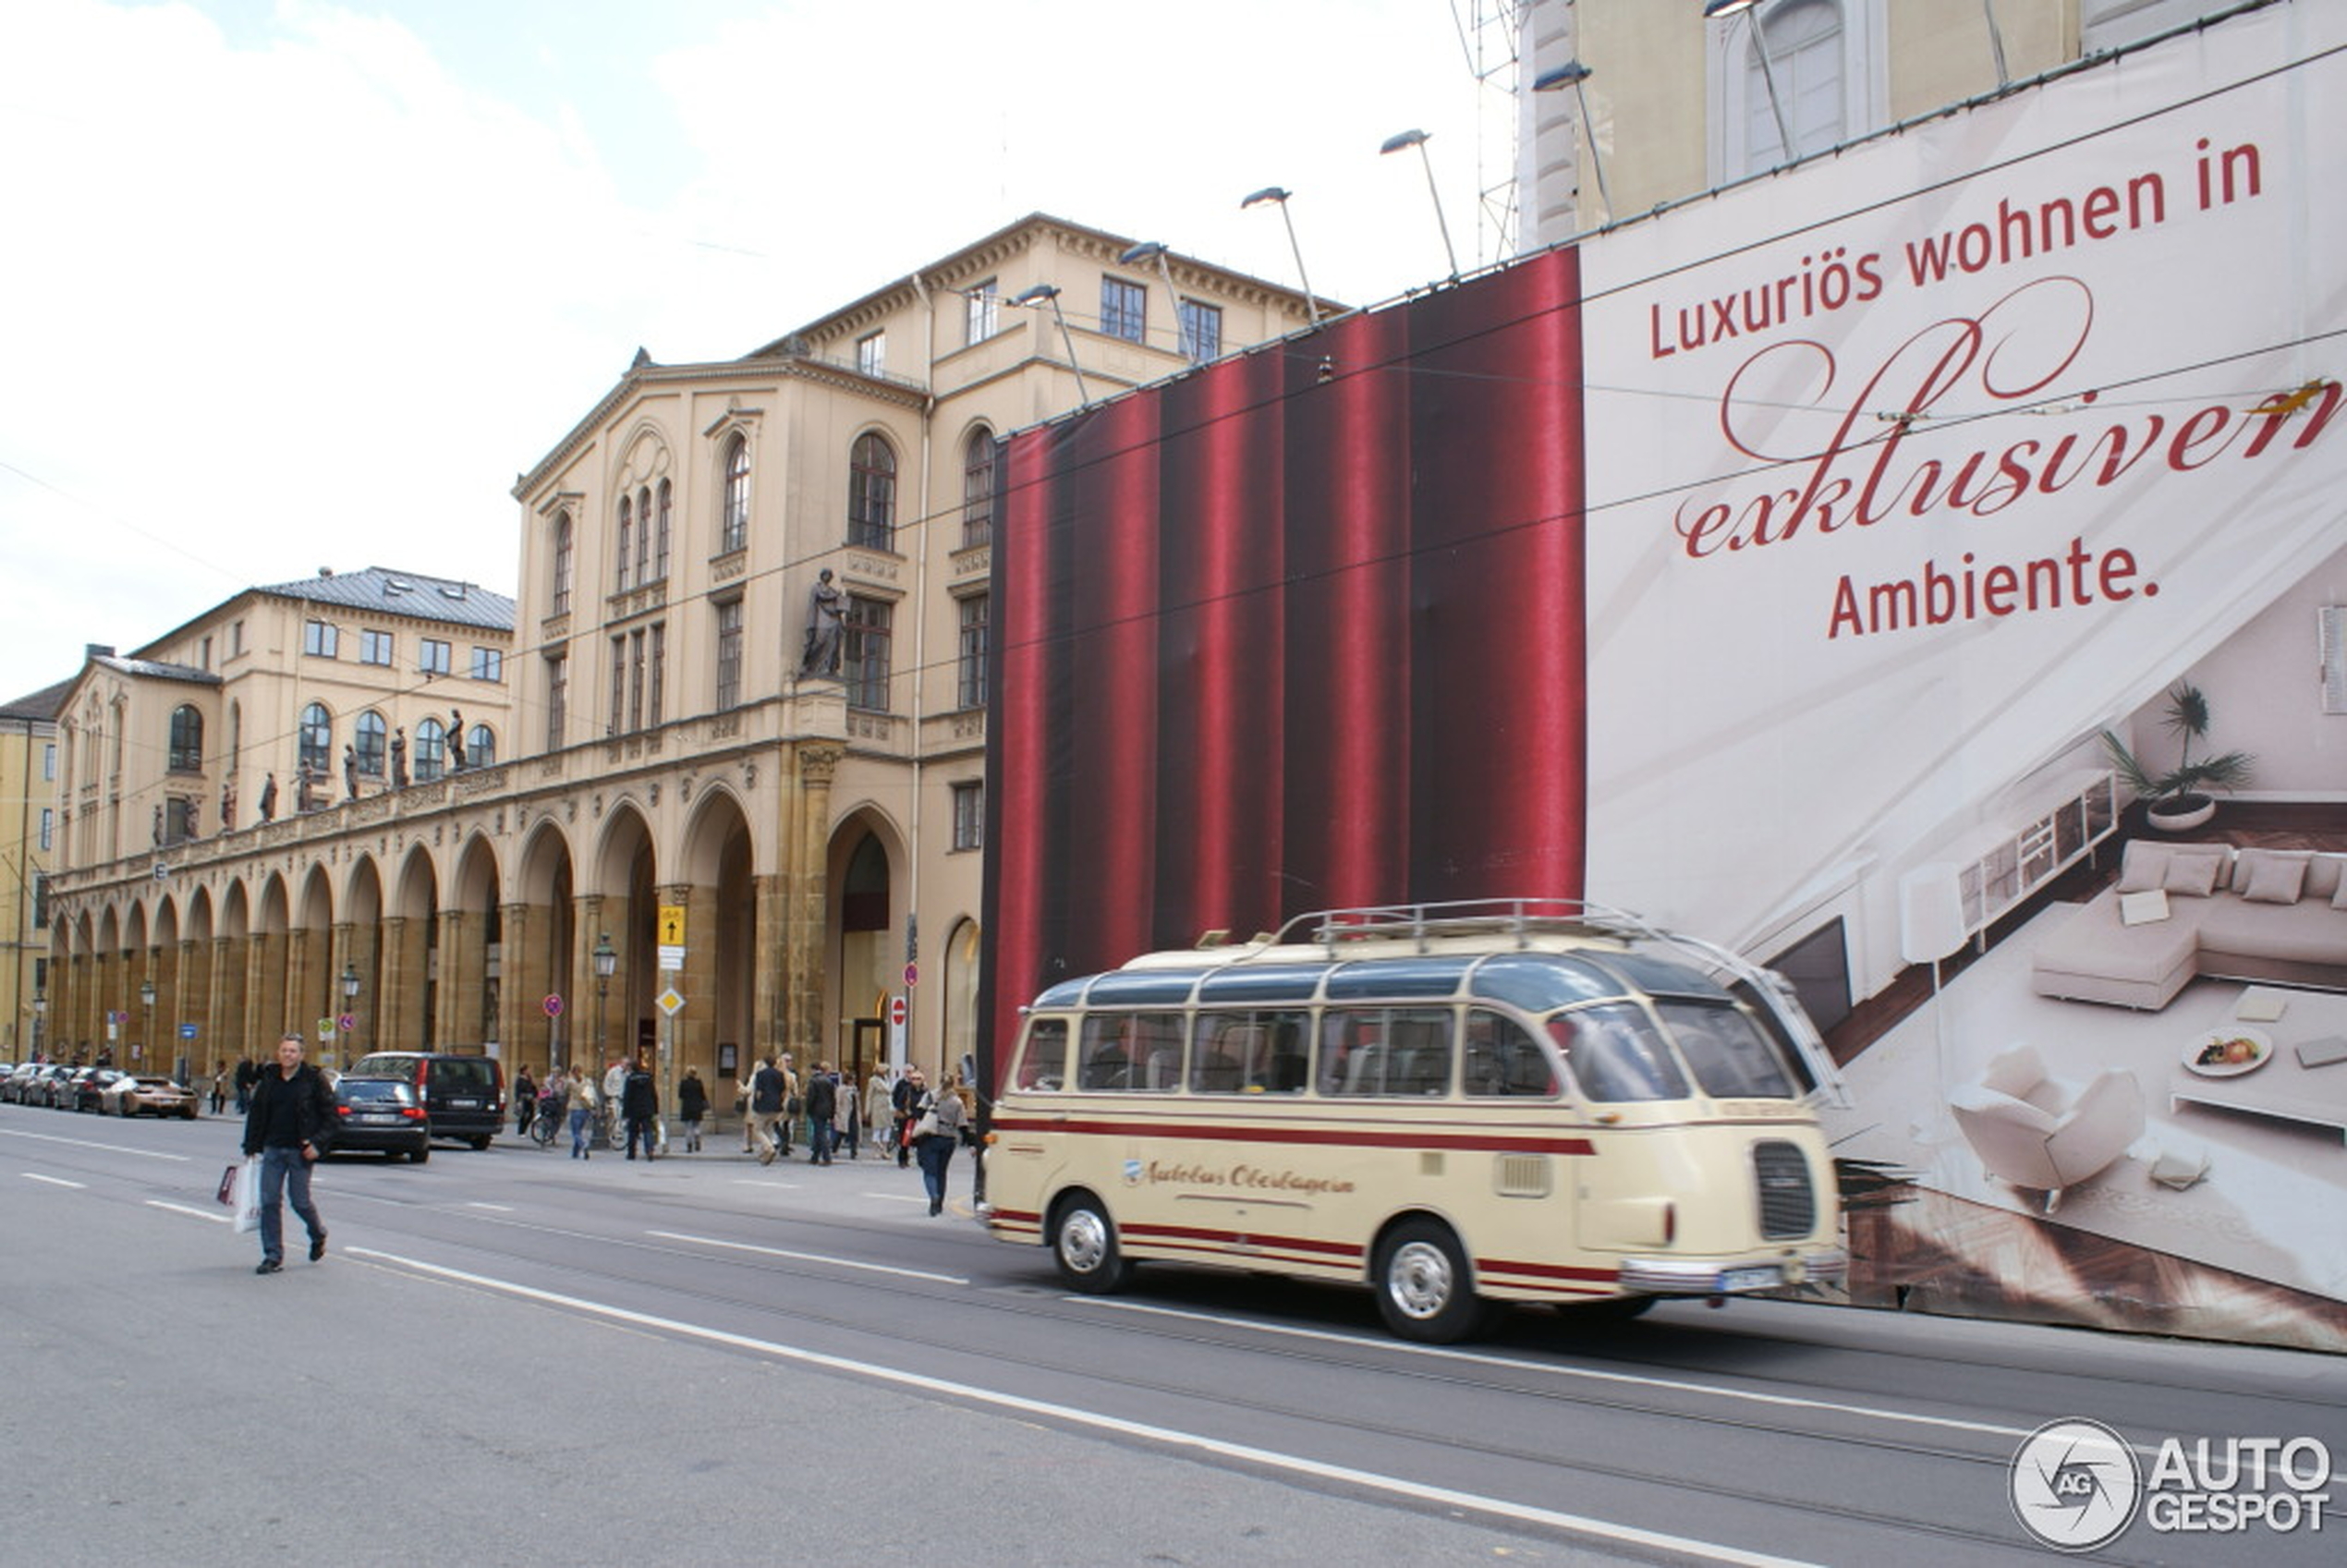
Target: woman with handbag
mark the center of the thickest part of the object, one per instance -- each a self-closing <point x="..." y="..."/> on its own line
<point x="937" y="1131"/>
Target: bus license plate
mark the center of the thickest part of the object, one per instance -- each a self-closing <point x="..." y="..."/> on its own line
<point x="1764" y="1278"/>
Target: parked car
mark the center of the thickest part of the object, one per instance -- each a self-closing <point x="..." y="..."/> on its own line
<point x="464" y="1095"/>
<point x="13" y="1087"/>
<point x="84" y="1090"/>
<point x="43" y="1089"/>
<point x="147" y="1094"/>
<point x="384" y="1115"/>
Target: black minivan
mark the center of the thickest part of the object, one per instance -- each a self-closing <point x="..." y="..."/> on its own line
<point x="464" y="1096"/>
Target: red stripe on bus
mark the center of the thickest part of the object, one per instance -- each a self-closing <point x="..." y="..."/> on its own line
<point x="1461" y="1142"/>
<point x="1544" y="1271"/>
<point x="1239" y="1238"/>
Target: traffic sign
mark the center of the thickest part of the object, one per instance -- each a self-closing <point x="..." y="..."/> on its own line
<point x="671" y="957"/>
<point x="553" y="1005"/>
<point x="671" y="1002"/>
<point x="896" y="1011"/>
<point x="912" y="976"/>
<point x="671" y="925"/>
<point x="346" y="1022"/>
<point x="186" y="1031"/>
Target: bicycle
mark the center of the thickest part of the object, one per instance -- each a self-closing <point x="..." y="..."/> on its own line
<point x="547" y="1123"/>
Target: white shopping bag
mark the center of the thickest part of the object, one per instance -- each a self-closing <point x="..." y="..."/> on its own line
<point x="249" y="1196"/>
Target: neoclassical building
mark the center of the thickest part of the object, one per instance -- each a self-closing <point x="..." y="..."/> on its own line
<point x="737" y="731"/>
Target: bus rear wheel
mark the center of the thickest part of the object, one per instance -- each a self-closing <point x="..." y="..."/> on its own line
<point x="1084" y="1245"/>
<point x="1423" y="1290"/>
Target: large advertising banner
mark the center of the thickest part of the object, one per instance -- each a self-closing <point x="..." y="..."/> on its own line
<point x="1793" y="568"/>
<point x="1911" y="474"/>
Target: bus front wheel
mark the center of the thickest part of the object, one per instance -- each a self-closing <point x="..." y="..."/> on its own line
<point x="1084" y="1245"/>
<point x="1423" y="1289"/>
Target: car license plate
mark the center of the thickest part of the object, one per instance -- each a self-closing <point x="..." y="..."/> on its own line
<point x="1764" y="1278"/>
<point x="464" y="1105"/>
<point x="380" y="1119"/>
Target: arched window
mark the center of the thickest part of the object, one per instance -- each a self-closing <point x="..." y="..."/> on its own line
<point x="872" y="493"/>
<point x="732" y="529"/>
<point x="626" y="536"/>
<point x="481" y="747"/>
<point x="644" y="535"/>
<point x="977" y="488"/>
<point x="562" y="563"/>
<point x="1806" y="55"/>
<point x="187" y="740"/>
<point x="863" y="892"/>
<point x="431" y="750"/>
<point x="660" y="547"/>
<point x="317" y="738"/>
<point x="368" y="739"/>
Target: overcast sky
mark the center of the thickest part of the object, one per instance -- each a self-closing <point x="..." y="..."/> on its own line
<point x="296" y="285"/>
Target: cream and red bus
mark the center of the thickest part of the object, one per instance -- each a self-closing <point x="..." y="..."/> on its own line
<point x="1460" y="1105"/>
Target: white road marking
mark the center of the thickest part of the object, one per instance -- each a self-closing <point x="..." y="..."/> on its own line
<point x="493" y="1208"/>
<point x="1584" y="1374"/>
<point x="769" y="1187"/>
<point x="183" y="1208"/>
<point x="1290" y="1464"/>
<point x="85" y="1143"/>
<point x="809" y="1257"/>
<point x="53" y="1181"/>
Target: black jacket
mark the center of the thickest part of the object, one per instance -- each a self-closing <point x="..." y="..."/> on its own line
<point x="639" y="1100"/>
<point x="313" y="1106"/>
<point x="692" y="1099"/>
<point x="822" y="1097"/>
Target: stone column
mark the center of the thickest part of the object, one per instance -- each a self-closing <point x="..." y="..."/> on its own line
<point x="806" y="823"/>
<point x="522" y="1025"/>
<point x="587" y="921"/>
<point x="304" y="952"/>
<point x="266" y="993"/>
<point x="191" y="991"/>
<point x="457" y="988"/>
<point x="224" y="1011"/>
<point x="399" y="971"/>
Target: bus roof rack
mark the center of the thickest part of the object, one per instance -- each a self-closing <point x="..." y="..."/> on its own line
<point x="1521" y="918"/>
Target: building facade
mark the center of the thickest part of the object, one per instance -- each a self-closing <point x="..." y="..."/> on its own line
<point x="741" y="755"/>
<point x="1682" y="102"/>
<point x="29" y="766"/>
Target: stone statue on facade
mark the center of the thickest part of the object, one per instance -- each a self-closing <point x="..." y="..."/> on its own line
<point x="399" y="757"/>
<point x="269" y="798"/>
<point x="350" y="772"/>
<point x="455" y="741"/>
<point x="826" y="624"/>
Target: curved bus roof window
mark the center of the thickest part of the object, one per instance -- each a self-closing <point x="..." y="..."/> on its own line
<point x="1152" y="986"/>
<point x="1662" y="976"/>
<point x="1540" y="981"/>
<point x="1068" y="994"/>
<point x="1397" y="977"/>
<point x="1286" y="982"/>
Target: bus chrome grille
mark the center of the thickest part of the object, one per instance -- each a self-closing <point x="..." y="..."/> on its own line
<point x="1788" y="1203"/>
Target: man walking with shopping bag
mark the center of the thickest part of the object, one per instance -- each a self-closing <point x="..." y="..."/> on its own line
<point x="290" y="1123"/>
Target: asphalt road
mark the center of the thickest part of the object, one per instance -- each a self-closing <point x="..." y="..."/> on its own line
<point x="517" y="1357"/>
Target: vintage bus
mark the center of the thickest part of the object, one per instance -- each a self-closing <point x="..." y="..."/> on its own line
<point x="1460" y="1105"/>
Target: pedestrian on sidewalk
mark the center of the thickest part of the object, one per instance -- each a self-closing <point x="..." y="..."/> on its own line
<point x="692" y="1104"/>
<point x="525" y="1102"/>
<point x="942" y="1114"/>
<point x="639" y="1103"/>
<point x="290" y="1123"/>
<point x="583" y="1113"/>
<point x="766" y="1086"/>
<point x="910" y="1090"/>
<point x="822" y="1102"/>
<point x="880" y="1111"/>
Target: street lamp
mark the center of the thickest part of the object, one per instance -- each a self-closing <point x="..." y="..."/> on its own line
<point x="606" y="960"/>
<point x="1572" y="74"/>
<point x="40" y="1017"/>
<point x="1049" y="294"/>
<point x="1273" y="193"/>
<point x="1720" y="10"/>
<point x="350" y="1000"/>
<point x="1417" y="138"/>
<point x="147" y="1028"/>
<point x="1144" y="252"/>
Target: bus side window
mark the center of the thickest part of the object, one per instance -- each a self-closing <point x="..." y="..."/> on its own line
<point x="1107" y="1064"/>
<point x="1215" y="1066"/>
<point x="1421" y="1059"/>
<point x="1502" y="1059"/>
<point x="1352" y="1056"/>
<point x="1155" y="1049"/>
<point x="1043" y="1062"/>
<point x="1290" y="1065"/>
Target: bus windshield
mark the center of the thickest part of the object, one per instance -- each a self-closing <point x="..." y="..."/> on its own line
<point x="1728" y="1054"/>
<point x="1616" y="1052"/>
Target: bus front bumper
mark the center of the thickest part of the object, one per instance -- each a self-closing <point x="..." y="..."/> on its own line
<point x="1699" y="1276"/>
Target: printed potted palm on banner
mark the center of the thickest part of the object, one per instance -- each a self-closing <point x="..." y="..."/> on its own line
<point x="1301" y="630"/>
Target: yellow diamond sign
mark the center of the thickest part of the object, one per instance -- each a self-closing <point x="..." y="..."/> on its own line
<point x="671" y="1002"/>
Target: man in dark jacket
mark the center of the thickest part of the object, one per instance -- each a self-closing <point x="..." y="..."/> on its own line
<point x="247" y="1076"/>
<point x="640" y="1103"/>
<point x="822" y="1099"/>
<point x="290" y="1123"/>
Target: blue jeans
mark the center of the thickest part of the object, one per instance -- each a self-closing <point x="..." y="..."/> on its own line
<point x="580" y="1117"/>
<point x="935" y="1152"/>
<point x="819" y="1142"/>
<point x="639" y="1128"/>
<point x="284" y="1175"/>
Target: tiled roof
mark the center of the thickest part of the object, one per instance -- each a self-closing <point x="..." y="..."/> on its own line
<point x="46" y="703"/>
<point x="416" y="594"/>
